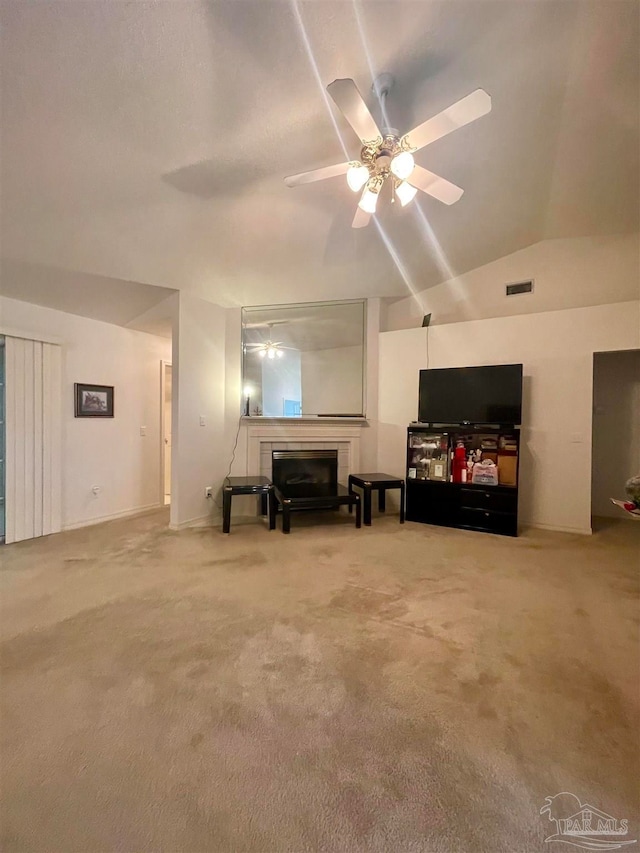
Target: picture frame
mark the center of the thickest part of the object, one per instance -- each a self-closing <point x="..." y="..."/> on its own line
<point x="93" y="401"/>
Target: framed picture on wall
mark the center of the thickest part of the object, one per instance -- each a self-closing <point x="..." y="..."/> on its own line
<point x="93" y="401"/>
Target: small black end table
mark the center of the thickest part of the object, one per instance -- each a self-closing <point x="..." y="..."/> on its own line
<point x="379" y="483"/>
<point x="314" y="496"/>
<point x="248" y="486"/>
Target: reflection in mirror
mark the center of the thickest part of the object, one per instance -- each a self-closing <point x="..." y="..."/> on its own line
<point x="304" y="360"/>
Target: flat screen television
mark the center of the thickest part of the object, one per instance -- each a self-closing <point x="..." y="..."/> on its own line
<point x="475" y="395"/>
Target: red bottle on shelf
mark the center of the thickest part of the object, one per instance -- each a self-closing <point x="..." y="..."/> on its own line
<point x="459" y="462"/>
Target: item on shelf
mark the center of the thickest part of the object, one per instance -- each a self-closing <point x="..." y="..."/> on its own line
<point x="459" y="462"/>
<point x="489" y="448"/>
<point x="485" y="473"/>
<point x="507" y="469"/>
<point x="470" y="464"/>
<point x="423" y="449"/>
<point x="508" y="442"/>
<point x="438" y="469"/>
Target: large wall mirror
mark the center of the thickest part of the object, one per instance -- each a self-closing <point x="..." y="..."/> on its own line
<point x="304" y="360"/>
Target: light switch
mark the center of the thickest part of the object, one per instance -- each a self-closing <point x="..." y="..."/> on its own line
<point x="143" y="430"/>
<point x="202" y="420"/>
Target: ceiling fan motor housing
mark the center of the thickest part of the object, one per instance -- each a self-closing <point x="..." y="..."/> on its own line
<point x="377" y="156"/>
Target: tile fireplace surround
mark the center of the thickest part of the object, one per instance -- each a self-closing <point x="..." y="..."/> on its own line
<point x="263" y="438"/>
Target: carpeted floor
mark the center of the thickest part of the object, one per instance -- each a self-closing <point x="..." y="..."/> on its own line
<point x="391" y="689"/>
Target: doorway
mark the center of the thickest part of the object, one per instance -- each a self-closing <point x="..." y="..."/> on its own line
<point x="165" y="432"/>
<point x="615" y="455"/>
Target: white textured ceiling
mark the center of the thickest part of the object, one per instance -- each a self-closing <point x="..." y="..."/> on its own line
<point x="145" y="143"/>
<point x="306" y="327"/>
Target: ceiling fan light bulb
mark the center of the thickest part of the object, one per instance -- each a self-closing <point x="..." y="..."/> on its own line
<point x="368" y="201"/>
<point x="357" y="176"/>
<point x="402" y="165"/>
<point x="280" y="353"/>
<point x="271" y="353"/>
<point x="262" y="353"/>
<point x="405" y="192"/>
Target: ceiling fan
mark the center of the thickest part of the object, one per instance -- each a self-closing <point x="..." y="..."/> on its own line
<point x="387" y="156"/>
<point x="268" y="349"/>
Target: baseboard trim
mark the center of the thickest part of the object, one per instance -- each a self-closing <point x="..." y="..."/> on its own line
<point x="126" y="513"/>
<point x="200" y="521"/>
<point x="581" y="531"/>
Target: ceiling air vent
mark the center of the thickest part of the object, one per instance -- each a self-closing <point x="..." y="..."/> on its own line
<point x="519" y="287"/>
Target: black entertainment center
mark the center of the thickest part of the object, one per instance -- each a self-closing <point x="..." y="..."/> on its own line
<point x="463" y="453"/>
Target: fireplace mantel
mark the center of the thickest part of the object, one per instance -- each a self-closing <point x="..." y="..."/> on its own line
<point x="267" y="434"/>
<point x="256" y="420"/>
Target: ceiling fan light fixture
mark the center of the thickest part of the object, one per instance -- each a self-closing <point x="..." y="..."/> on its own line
<point x="280" y="353"/>
<point x="369" y="198"/>
<point x="405" y="192"/>
<point x="271" y="353"/>
<point x="386" y="154"/>
<point x="357" y="176"/>
<point x="402" y="165"/>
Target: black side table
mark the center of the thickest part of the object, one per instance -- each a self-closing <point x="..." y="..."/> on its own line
<point x="248" y="486"/>
<point x="380" y="483"/>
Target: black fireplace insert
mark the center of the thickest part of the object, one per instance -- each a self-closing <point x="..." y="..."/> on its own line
<point x="304" y="469"/>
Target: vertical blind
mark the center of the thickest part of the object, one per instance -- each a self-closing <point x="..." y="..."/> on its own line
<point x="33" y="438"/>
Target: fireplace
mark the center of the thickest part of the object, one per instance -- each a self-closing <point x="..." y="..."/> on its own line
<point x="304" y="468"/>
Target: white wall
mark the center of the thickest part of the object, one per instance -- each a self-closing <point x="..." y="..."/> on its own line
<point x="556" y="349"/>
<point x="568" y="273"/>
<point x="616" y="428"/>
<point x="199" y="457"/>
<point x="281" y="380"/>
<point x="108" y="453"/>
<point x="332" y="381"/>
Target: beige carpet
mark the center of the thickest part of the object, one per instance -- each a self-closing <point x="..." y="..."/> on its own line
<point x="390" y="689"/>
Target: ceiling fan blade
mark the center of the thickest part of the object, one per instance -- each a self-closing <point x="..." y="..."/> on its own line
<point x="346" y="95"/>
<point x="474" y="106"/>
<point x="434" y="185"/>
<point x="266" y="325"/>
<point x="361" y="219"/>
<point x="317" y="175"/>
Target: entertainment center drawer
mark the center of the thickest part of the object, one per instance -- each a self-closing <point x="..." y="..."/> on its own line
<point x="486" y="499"/>
<point x="494" y="522"/>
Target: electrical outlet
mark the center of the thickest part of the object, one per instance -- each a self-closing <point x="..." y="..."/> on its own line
<point x="208" y="491"/>
<point x="143" y="430"/>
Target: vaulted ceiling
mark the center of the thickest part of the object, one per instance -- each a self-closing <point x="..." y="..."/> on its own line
<point x="145" y="144"/>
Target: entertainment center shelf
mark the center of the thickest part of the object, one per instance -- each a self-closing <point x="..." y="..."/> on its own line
<point x="491" y="452"/>
<point x="491" y="509"/>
